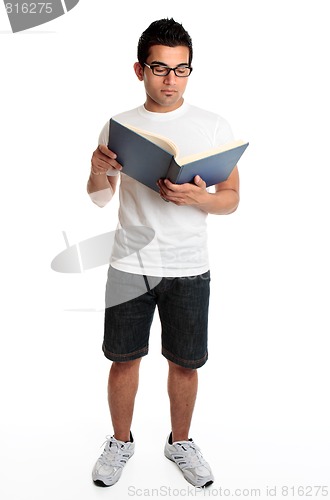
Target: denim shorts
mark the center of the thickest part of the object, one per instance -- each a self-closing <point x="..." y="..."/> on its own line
<point x="182" y="304"/>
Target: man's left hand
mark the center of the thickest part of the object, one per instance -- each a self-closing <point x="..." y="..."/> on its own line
<point x="184" y="194"/>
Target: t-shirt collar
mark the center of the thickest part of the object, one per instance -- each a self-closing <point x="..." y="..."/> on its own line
<point x="170" y="115"/>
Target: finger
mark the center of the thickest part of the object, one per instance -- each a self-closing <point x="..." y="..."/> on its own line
<point x="167" y="187"/>
<point x="199" y="181"/>
<point x="172" y="197"/>
<point x="106" y="151"/>
<point x="104" y="163"/>
<point x="115" y="165"/>
<point x="177" y="189"/>
<point x="161" y="190"/>
<point x="176" y="201"/>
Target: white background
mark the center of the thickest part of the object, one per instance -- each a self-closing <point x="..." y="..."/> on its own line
<point x="262" y="414"/>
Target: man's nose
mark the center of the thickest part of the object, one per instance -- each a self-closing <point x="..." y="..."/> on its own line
<point x="171" y="77"/>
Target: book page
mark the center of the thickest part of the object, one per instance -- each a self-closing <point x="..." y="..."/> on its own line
<point x="210" y="152"/>
<point x="160" y="140"/>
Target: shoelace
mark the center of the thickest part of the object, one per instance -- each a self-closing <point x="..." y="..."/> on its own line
<point x="192" y="456"/>
<point x="112" y="455"/>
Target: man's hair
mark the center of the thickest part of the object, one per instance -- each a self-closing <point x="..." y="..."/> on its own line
<point x="163" y="32"/>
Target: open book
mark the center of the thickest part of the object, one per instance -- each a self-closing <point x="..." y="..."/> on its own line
<point x="147" y="157"/>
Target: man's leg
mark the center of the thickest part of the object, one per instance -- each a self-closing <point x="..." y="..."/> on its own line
<point x="184" y="314"/>
<point x="182" y="391"/>
<point x="122" y="388"/>
<point x="183" y="311"/>
<point x="126" y="335"/>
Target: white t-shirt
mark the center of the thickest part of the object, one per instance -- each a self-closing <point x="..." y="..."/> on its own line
<point x="179" y="245"/>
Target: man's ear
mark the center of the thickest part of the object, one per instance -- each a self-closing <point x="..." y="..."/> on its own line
<point x="138" y="71"/>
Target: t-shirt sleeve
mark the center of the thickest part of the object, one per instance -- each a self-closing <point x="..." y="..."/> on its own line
<point x="104" y="135"/>
<point x="223" y="133"/>
<point x="101" y="198"/>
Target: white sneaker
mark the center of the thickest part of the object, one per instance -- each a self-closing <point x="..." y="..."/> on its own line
<point x="109" y="466"/>
<point x="189" y="459"/>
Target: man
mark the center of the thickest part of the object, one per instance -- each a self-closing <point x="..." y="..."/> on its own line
<point x="176" y="258"/>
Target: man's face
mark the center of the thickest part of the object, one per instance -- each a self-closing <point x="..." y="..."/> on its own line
<point x="164" y="93"/>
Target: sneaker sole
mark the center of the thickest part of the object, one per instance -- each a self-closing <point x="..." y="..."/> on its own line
<point x="100" y="483"/>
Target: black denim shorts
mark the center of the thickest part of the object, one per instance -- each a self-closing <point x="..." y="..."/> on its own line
<point x="182" y="304"/>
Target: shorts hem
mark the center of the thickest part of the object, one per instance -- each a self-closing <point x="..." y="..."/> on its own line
<point x="124" y="357"/>
<point x="185" y="363"/>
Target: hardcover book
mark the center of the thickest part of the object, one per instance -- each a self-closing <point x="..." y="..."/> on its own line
<point x="147" y="157"/>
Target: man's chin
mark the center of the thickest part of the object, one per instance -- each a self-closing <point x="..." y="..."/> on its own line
<point x="171" y="100"/>
<point x="165" y="103"/>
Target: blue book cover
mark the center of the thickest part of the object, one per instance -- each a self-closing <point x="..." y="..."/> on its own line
<point x="148" y="157"/>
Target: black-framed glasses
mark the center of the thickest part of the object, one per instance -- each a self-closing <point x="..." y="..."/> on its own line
<point x="159" y="70"/>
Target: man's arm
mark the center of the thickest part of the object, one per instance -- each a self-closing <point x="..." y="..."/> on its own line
<point x="100" y="186"/>
<point x="224" y="201"/>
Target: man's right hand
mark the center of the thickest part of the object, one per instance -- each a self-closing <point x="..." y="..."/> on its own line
<point x="103" y="160"/>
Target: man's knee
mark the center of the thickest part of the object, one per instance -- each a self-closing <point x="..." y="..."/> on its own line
<point x="125" y="365"/>
<point x="181" y="370"/>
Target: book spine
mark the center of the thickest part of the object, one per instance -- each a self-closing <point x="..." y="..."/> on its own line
<point x="173" y="172"/>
